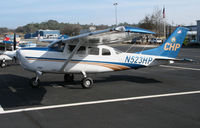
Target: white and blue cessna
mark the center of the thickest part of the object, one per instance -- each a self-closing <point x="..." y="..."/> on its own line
<point x="85" y="54"/>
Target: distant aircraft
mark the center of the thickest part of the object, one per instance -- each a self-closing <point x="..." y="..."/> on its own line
<point x="85" y="54"/>
<point x="3" y="59"/>
<point x="8" y="55"/>
<point x="11" y="54"/>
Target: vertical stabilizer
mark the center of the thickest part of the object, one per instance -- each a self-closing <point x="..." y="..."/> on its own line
<point x="172" y="46"/>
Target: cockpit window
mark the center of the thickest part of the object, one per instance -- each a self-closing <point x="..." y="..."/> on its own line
<point x="105" y="52"/>
<point x="93" y="50"/>
<point x="58" y="46"/>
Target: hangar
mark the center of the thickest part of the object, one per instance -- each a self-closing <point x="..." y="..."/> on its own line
<point x="44" y="34"/>
<point x="194" y="33"/>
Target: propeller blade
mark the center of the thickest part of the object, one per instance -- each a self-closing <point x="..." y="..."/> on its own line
<point x="14" y="41"/>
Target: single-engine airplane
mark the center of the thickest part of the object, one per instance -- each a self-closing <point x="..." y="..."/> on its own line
<point x="85" y="54"/>
<point x="8" y="55"/>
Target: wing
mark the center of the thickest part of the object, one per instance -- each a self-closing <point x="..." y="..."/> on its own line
<point x="117" y="35"/>
<point x="111" y="35"/>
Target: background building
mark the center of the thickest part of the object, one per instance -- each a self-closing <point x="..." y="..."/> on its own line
<point x="193" y="34"/>
<point x="198" y="31"/>
<point x="43" y="34"/>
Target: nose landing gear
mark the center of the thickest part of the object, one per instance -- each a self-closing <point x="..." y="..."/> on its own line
<point x="35" y="82"/>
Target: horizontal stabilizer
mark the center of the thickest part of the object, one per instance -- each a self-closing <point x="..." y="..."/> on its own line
<point x="160" y="61"/>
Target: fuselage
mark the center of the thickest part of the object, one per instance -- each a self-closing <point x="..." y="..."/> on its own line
<point x="88" y="59"/>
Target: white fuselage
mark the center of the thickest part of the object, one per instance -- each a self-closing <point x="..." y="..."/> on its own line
<point x="49" y="60"/>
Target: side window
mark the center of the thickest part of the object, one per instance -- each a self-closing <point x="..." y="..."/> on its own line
<point x="93" y="50"/>
<point x="71" y="48"/>
<point x="105" y="52"/>
<point x="81" y="50"/>
<point x="58" y="47"/>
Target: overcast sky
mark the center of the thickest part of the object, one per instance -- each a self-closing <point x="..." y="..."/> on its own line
<point x="15" y="13"/>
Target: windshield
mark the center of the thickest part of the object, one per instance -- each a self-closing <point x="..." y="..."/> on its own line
<point x="59" y="46"/>
<point x="117" y="51"/>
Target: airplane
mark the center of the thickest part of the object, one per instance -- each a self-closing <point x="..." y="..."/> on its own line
<point x="86" y="53"/>
<point x="3" y="59"/>
<point x="10" y="55"/>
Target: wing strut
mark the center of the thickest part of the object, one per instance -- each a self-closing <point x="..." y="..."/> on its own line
<point x="70" y="57"/>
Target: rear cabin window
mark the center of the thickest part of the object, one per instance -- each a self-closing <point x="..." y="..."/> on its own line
<point x="105" y="52"/>
<point x="81" y="50"/>
<point x="71" y="48"/>
<point x="93" y="50"/>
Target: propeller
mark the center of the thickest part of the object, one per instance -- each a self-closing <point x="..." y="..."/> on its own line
<point x="14" y="42"/>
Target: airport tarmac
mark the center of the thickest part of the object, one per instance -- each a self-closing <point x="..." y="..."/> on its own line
<point x="158" y="97"/>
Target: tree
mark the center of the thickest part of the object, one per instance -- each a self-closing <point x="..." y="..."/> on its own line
<point x="153" y="21"/>
<point x="5" y="30"/>
<point x="71" y="29"/>
<point x="147" y="23"/>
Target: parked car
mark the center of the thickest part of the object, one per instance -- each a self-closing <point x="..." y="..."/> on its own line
<point x="156" y="40"/>
<point x="137" y="40"/>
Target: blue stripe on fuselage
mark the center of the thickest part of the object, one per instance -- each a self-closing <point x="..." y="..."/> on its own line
<point x="133" y="66"/>
<point x="40" y="49"/>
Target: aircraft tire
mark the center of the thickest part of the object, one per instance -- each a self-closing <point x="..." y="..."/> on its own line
<point x="34" y="83"/>
<point x="87" y="83"/>
<point x="69" y="77"/>
<point x="3" y="64"/>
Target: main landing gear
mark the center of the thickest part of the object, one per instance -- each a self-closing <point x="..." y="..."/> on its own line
<point x="86" y="82"/>
<point x="35" y="82"/>
<point x="69" y="77"/>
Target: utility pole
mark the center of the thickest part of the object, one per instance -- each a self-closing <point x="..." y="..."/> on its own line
<point x="164" y="22"/>
<point x="115" y="4"/>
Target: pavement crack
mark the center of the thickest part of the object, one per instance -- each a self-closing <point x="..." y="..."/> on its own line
<point x="35" y="122"/>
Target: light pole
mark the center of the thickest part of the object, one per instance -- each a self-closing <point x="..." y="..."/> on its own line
<point x="115" y="4"/>
<point x="164" y="22"/>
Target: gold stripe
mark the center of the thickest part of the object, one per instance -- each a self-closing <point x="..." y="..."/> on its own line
<point x="114" y="67"/>
<point x="111" y="66"/>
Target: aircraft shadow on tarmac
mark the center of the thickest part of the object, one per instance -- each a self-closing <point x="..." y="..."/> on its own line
<point x="15" y="92"/>
<point x="129" y="78"/>
<point x="105" y="79"/>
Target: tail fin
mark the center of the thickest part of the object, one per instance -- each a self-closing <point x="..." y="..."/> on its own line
<point x="171" y="47"/>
